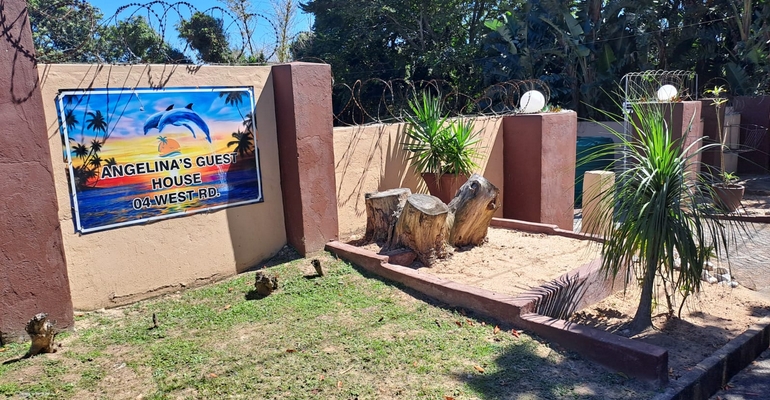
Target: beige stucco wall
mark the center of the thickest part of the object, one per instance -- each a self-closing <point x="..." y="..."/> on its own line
<point x="371" y="158"/>
<point x="121" y="265"/>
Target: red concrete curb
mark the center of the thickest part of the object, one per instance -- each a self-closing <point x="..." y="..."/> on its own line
<point x="634" y="358"/>
<point x="713" y="373"/>
<point x="631" y="357"/>
<point x="536" y="227"/>
<point x="502" y="307"/>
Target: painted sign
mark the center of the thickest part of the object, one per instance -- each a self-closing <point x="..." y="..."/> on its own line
<point x="137" y="155"/>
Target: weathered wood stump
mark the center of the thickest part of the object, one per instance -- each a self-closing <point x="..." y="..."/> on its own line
<point x="471" y="212"/>
<point x="381" y="212"/>
<point x="42" y="333"/>
<point x="265" y="283"/>
<point x="421" y="226"/>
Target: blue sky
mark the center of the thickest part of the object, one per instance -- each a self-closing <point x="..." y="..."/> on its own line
<point x="263" y="33"/>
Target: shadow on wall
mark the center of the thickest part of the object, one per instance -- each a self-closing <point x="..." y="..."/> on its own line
<point x="397" y="170"/>
<point x="492" y="170"/>
<point x="252" y="226"/>
<point x="349" y="166"/>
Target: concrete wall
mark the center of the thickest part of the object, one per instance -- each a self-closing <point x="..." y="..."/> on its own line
<point x="33" y="270"/>
<point x="118" y="266"/>
<point x="590" y="128"/>
<point x="371" y="158"/>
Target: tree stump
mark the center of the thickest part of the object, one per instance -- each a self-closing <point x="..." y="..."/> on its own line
<point x="42" y="333"/>
<point x="381" y="213"/>
<point x="265" y="283"/>
<point x="471" y="212"/>
<point x="421" y="226"/>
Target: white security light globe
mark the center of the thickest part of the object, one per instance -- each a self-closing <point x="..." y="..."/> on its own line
<point x="531" y="102"/>
<point x="667" y="93"/>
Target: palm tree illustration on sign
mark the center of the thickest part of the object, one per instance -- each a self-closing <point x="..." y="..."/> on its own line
<point x="243" y="143"/>
<point x="86" y="175"/>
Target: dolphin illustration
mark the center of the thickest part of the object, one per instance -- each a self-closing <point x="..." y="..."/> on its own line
<point x="152" y="122"/>
<point x="182" y="117"/>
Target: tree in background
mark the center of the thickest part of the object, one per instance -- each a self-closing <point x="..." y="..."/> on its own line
<point x="134" y="40"/>
<point x="285" y="13"/>
<point x="206" y="35"/>
<point x="71" y="31"/>
<point x="64" y="30"/>
<point x="247" y="19"/>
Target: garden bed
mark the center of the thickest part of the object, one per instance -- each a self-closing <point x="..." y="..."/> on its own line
<point x="710" y="319"/>
<point x="510" y="262"/>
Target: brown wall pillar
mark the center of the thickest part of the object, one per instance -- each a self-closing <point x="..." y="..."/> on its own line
<point x="755" y="110"/>
<point x="33" y="271"/>
<point x="539" y="167"/>
<point x="303" y="110"/>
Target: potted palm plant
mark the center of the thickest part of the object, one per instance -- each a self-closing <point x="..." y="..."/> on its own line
<point x="658" y="215"/>
<point x="442" y="150"/>
<point x="727" y="192"/>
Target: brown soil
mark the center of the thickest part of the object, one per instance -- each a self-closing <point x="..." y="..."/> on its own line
<point x="512" y="261"/>
<point x="709" y="320"/>
<point x="755" y="205"/>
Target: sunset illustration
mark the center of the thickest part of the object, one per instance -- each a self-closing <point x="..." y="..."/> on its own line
<point x="141" y="154"/>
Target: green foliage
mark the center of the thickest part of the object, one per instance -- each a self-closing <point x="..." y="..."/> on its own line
<point x="73" y="31"/>
<point x="134" y="40"/>
<point x="206" y="35"/>
<point x="659" y="211"/>
<point x="438" y="145"/>
<point x="718" y="102"/>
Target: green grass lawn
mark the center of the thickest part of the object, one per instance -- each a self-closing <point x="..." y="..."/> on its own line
<point x="345" y="335"/>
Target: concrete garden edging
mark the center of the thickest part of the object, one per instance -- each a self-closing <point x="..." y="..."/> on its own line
<point x="634" y="358"/>
<point x="713" y="373"/>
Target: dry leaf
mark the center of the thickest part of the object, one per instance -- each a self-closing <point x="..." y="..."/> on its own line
<point x="290" y="350"/>
<point x="438" y="323"/>
<point x="514" y="332"/>
<point x="415" y="363"/>
<point x="460" y="324"/>
<point x="227" y="307"/>
<point x="497" y="330"/>
<point x="322" y="377"/>
<point x="449" y="398"/>
<point x="478" y="368"/>
<point x="212" y="375"/>
<point x="339" y="384"/>
<point x="469" y="322"/>
<point x="230" y="289"/>
<point x="2" y="349"/>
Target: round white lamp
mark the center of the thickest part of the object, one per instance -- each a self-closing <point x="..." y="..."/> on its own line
<point x="531" y="102"/>
<point x="667" y="93"/>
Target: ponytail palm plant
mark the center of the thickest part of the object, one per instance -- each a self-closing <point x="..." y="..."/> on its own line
<point x="659" y="211"/>
<point x="439" y="146"/>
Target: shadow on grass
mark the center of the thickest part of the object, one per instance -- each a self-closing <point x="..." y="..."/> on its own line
<point x="523" y="370"/>
<point x="253" y="295"/>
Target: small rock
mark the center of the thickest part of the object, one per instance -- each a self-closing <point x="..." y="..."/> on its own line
<point x="724" y="278"/>
<point x="733" y="284"/>
<point x="708" y="266"/>
<point x="712" y="280"/>
<point x="704" y="276"/>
